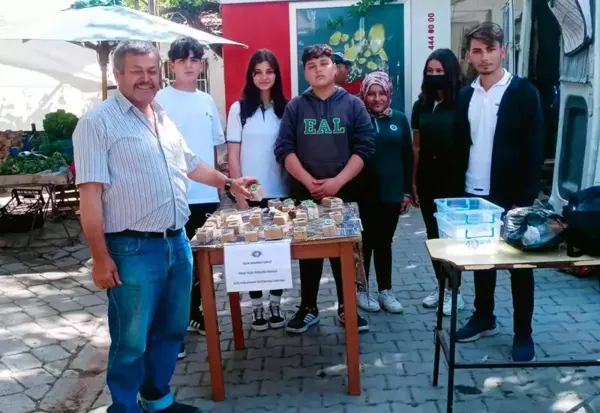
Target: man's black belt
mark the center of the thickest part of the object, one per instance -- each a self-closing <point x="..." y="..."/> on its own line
<point x="140" y="234"/>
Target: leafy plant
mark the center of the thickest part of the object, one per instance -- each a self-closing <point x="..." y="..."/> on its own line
<point x="82" y="4"/>
<point x="31" y="163"/>
<point x="187" y="12"/>
<point x="359" y="9"/>
<point x="59" y="125"/>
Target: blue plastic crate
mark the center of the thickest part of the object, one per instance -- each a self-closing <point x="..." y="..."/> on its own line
<point x="469" y="233"/>
<point x="473" y="221"/>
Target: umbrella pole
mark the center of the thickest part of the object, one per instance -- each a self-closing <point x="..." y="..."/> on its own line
<point x="103" y="57"/>
<point x="104" y="84"/>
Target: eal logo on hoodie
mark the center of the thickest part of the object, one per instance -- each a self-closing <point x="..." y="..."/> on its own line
<point x="310" y="127"/>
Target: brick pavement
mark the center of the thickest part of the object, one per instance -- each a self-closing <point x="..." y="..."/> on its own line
<point x="54" y="341"/>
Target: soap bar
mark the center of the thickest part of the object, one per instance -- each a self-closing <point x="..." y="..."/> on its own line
<point x="313" y="212"/>
<point x="226" y="213"/>
<point x="227" y="235"/>
<point x="233" y="219"/>
<point x="300" y="234"/>
<point x="336" y="203"/>
<point x="337" y="217"/>
<point x="251" y="235"/>
<point x="302" y="215"/>
<point x="255" y="220"/>
<point x="280" y="219"/>
<point x="216" y="220"/>
<point x="273" y="232"/>
<point x="256" y="210"/>
<point x="274" y="203"/>
<point x="205" y="235"/>
<point x="209" y="225"/>
<point x="308" y="203"/>
<point x="330" y="201"/>
<point x="287" y="208"/>
<point x="329" y="228"/>
<point x="257" y="192"/>
<point x="288" y="201"/>
<point x="300" y="222"/>
<point x="235" y="226"/>
<point x="338" y="208"/>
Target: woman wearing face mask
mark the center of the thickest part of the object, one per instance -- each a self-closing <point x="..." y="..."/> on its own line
<point x="433" y="119"/>
<point x="252" y="128"/>
<point x="393" y="169"/>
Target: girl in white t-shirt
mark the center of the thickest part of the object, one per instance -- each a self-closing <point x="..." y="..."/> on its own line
<point x="252" y="128"/>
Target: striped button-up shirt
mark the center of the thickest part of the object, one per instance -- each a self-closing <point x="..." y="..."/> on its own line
<point x="143" y="171"/>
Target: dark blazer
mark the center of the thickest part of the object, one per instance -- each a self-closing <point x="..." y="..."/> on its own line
<point x="517" y="156"/>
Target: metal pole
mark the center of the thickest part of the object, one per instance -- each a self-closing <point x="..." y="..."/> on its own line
<point x="153" y="7"/>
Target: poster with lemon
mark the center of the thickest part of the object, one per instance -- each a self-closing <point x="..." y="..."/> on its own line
<point x="372" y="42"/>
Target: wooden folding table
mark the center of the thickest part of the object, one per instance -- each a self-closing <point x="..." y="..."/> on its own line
<point x="209" y="255"/>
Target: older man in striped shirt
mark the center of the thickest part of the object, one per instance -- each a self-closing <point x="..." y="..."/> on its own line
<point x="132" y="168"/>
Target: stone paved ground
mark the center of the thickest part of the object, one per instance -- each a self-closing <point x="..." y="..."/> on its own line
<point x="53" y="346"/>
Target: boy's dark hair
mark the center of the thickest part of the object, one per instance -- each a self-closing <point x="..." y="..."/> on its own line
<point x="316" y="52"/>
<point x="181" y="48"/>
<point x="488" y="33"/>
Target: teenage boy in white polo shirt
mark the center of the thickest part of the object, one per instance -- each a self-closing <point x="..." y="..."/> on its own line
<point x="499" y="158"/>
<point x="196" y="116"/>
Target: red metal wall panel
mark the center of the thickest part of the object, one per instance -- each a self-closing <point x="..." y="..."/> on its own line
<point x="259" y="25"/>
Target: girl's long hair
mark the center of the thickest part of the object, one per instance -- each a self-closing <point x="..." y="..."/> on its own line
<point x="251" y="94"/>
<point x="453" y="73"/>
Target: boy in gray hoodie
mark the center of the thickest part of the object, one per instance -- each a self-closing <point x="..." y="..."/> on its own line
<point x="325" y="140"/>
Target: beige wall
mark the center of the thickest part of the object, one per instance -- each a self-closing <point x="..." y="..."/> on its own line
<point x="216" y="82"/>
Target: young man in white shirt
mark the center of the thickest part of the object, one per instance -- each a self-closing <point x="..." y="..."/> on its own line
<point x="196" y="116"/>
<point x="499" y="155"/>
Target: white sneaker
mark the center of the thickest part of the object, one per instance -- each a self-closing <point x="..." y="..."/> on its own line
<point x="367" y="302"/>
<point x="447" y="308"/>
<point x="431" y="301"/>
<point x="389" y="302"/>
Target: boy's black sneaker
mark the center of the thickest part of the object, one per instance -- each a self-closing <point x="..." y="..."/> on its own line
<point x="476" y="328"/>
<point x="304" y="319"/>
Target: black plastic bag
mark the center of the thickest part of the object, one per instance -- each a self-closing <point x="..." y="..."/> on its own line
<point x="582" y="214"/>
<point x="533" y="228"/>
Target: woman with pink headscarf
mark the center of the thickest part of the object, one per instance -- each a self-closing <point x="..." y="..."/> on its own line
<point x="393" y="169"/>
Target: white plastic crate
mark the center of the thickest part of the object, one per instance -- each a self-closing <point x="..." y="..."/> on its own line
<point x="471" y="210"/>
<point x="473" y="221"/>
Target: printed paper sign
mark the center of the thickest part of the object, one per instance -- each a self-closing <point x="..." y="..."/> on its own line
<point x="258" y="266"/>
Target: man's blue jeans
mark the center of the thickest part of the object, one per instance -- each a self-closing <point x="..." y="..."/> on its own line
<point x="147" y="318"/>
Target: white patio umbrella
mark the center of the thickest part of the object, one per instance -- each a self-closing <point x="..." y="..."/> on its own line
<point x="99" y="27"/>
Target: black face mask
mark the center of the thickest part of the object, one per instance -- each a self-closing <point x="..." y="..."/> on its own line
<point x="434" y="82"/>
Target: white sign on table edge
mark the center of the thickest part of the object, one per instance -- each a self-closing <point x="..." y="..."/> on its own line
<point x="258" y="266"/>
